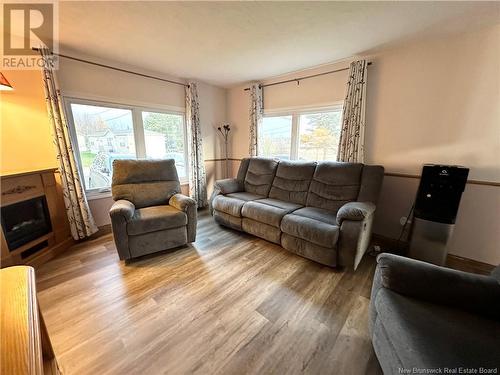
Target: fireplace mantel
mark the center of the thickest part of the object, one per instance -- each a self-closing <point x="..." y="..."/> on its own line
<point x="27" y="172"/>
<point x="29" y="185"/>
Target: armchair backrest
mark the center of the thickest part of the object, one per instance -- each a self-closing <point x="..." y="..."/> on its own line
<point x="145" y="182"/>
<point x="292" y="181"/>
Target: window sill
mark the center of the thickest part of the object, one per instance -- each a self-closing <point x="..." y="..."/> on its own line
<point x="93" y="195"/>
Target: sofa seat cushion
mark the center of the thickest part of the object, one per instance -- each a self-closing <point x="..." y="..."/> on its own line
<point x="268" y="211"/>
<point x="151" y="219"/>
<point x="312" y="230"/>
<point x="245" y="196"/>
<point x="319" y="214"/>
<point x="232" y="204"/>
<point x="427" y="335"/>
<point x="287" y="206"/>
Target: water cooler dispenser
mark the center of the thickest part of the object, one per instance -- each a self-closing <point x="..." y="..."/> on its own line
<point x="436" y="208"/>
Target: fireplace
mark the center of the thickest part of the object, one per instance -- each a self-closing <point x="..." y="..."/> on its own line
<point x="25" y="221"/>
<point x="33" y="217"/>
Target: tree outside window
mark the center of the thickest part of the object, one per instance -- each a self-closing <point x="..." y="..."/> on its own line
<point x="319" y="136"/>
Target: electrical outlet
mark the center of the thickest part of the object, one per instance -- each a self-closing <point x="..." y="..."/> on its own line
<point x="377" y="248"/>
<point x="403" y="220"/>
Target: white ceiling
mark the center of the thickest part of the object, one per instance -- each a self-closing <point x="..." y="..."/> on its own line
<point x="225" y="43"/>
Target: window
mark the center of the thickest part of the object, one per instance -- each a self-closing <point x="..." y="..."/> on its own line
<point x="302" y="135"/>
<point x="275" y="137"/>
<point x="164" y="138"/>
<point x="103" y="133"/>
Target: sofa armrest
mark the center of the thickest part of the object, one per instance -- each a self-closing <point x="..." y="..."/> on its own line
<point x="439" y="285"/>
<point x="181" y="202"/>
<point x="188" y="206"/>
<point x="122" y="208"/>
<point x="356" y="211"/>
<point x="228" y="186"/>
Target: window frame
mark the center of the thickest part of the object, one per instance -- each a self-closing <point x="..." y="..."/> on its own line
<point x="138" y="130"/>
<point x="296" y="112"/>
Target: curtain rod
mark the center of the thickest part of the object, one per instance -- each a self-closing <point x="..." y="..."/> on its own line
<point x="114" y="68"/>
<point x="301" y="78"/>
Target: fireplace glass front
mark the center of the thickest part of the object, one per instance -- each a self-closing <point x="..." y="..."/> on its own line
<point x="25" y="221"/>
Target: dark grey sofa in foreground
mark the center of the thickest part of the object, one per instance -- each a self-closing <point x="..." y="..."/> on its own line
<point x="322" y="211"/>
<point x="424" y="316"/>
<point x="149" y="213"/>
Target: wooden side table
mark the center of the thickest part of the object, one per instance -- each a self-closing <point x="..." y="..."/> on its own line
<point x="25" y="346"/>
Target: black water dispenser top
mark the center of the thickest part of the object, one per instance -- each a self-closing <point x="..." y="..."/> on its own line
<point x="439" y="192"/>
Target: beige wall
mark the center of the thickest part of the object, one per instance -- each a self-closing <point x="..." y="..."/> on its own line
<point x="212" y="115"/>
<point x="26" y="133"/>
<point x="432" y="101"/>
<point x="95" y="83"/>
<point x="437" y="100"/>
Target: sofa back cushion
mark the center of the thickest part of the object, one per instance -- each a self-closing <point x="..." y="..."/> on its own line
<point x="242" y="170"/>
<point x="145" y="182"/>
<point x="334" y="184"/>
<point x="260" y="174"/>
<point x="292" y="180"/>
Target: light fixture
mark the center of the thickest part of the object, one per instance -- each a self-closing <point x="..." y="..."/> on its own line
<point x="4" y="84"/>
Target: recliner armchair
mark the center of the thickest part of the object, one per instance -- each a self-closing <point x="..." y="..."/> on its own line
<point x="149" y="214"/>
<point x="424" y="316"/>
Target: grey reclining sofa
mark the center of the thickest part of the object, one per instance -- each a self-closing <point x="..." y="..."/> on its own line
<point x="322" y="211"/>
<point x="428" y="317"/>
<point x="149" y="213"/>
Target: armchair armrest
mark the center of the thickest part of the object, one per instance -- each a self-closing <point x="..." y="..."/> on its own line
<point x="188" y="206"/>
<point x="122" y="208"/>
<point x="440" y="285"/>
<point x="228" y="186"/>
<point x="121" y="212"/>
<point x="181" y="202"/>
<point x="356" y="211"/>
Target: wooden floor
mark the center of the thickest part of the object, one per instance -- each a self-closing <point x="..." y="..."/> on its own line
<point x="228" y="304"/>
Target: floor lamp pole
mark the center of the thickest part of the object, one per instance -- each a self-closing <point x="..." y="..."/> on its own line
<point x="224" y="130"/>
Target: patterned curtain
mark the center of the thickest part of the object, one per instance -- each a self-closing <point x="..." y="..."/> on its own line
<point x="197" y="177"/>
<point x="256" y="112"/>
<point x="352" y="135"/>
<point x="80" y="218"/>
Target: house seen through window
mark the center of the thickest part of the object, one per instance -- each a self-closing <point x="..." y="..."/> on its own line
<point x="105" y="133"/>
